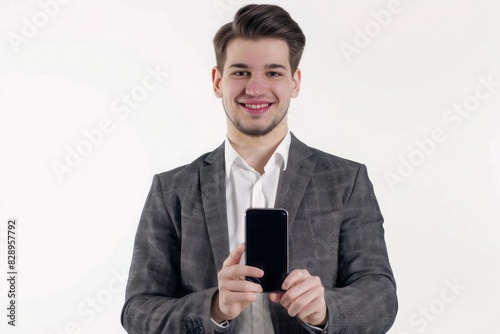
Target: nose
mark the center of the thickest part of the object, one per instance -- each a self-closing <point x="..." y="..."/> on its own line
<point x="256" y="85"/>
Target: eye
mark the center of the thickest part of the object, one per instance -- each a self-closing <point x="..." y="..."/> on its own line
<point x="274" y="74"/>
<point x="241" y="73"/>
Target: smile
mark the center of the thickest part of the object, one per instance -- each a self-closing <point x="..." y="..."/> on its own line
<point x="257" y="106"/>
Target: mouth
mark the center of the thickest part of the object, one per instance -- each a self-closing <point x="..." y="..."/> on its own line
<point x="256" y="108"/>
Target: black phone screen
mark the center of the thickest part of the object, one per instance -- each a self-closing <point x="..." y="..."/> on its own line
<point x="267" y="246"/>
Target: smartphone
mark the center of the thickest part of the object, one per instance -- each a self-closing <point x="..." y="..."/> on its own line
<point x="266" y="246"/>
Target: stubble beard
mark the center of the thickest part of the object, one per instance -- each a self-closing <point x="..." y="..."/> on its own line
<point x="256" y="132"/>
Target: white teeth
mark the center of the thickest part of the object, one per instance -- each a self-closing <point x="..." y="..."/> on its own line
<point x="257" y="106"/>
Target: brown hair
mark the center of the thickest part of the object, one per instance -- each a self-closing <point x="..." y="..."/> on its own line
<point x="257" y="22"/>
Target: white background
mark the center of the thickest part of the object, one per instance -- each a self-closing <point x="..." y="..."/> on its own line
<point x="62" y="78"/>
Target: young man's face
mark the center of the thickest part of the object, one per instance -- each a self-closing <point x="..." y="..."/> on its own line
<point x="256" y="86"/>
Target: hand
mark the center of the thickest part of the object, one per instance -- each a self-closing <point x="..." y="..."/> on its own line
<point x="304" y="297"/>
<point x="235" y="293"/>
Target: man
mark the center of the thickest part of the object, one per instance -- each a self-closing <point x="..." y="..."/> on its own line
<point x="186" y="274"/>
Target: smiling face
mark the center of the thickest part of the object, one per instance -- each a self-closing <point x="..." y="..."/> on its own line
<point x="256" y="86"/>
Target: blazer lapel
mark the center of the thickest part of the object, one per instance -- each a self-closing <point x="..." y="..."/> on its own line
<point x="291" y="192"/>
<point x="295" y="178"/>
<point x="213" y="190"/>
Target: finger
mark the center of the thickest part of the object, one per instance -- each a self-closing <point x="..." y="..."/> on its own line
<point x="240" y="286"/>
<point x="306" y="303"/>
<point x="275" y="297"/>
<point x="314" y="312"/>
<point x="231" y="304"/>
<point x="294" y="278"/>
<point x="239" y="271"/>
<point x="311" y="285"/>
<point x="235" y="256"/>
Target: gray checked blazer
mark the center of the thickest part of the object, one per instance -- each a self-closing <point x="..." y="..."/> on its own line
<point x="335" y="229"/>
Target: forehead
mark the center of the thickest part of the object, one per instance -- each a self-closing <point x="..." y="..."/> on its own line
<point x="257" y="53"/>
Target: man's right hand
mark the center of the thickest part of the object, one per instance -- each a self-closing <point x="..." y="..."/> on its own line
<point x="235" y="293"/>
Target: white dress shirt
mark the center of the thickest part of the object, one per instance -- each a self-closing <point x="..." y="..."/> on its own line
<point x="246" y="188"/>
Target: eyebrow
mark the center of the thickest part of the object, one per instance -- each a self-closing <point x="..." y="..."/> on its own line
<point x="269" y="66"/>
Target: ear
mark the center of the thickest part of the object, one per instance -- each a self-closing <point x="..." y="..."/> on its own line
<point x="296" y="83"/>
<point x="216" y="81"/>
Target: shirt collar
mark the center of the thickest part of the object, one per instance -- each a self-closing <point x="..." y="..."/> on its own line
<point x="282" y="150"/>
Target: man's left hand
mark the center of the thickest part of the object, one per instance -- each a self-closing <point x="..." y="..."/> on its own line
<point x="304" y="297"/>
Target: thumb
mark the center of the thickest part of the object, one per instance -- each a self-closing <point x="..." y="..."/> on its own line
<point x="235" y="256"/>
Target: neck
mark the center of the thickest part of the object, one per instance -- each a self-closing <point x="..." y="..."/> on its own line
<point x="257" y="151"/>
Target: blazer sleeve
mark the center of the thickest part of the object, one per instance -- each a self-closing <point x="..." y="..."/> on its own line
<point x="364" y="297"/>
<point x="153" y="301"/>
